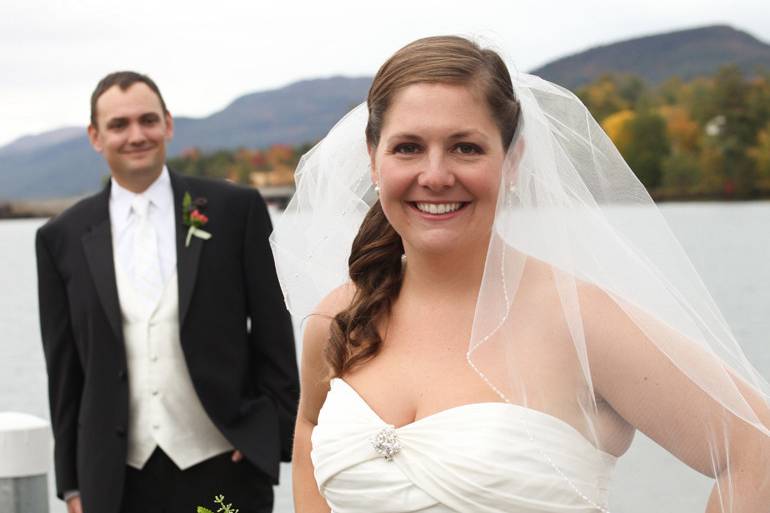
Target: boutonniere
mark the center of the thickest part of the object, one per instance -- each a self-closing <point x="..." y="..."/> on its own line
<point x="194" y="218"/>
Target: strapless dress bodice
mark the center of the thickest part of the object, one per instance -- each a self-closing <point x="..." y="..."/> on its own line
<point x="481" y="457"/>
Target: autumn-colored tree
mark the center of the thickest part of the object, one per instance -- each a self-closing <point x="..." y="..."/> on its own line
<point x="244" y="155"/>
<point x="697" y="100"/>
<point x="631" y="89"/>
<point x="673" y="91"/>
<point x="758" y="101"/>
<point x="712" y="170"/>
<point x="727" y="168"/>
<point x="682" y="130"/>
<point x="681" y="173"/>
<point x="279" y="155"/>
<point x="648" y="147"/>
<point x="258" y="160"/>
<point x="603" y="97"/>
<point x="617" y="128"/>
<point x="760" y="154"/>
<point x="218" y="164"/>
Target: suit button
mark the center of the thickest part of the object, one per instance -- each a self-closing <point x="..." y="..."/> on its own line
<point x="122" y="375"/>
<point x="120" y="431"/>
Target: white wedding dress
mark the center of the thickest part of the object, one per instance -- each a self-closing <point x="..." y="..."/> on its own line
<point x="472" y="458"/>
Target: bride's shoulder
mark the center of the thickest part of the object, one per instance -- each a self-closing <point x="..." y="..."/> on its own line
<point x="335" y="301"/>
<point x="315" y="369"/>
<point x="320" y="319"/>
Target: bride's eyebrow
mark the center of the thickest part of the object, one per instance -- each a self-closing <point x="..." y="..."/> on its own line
<point x="404" y="136"/>
<point x="468" y="133"/>
<point x="412" y="137"/>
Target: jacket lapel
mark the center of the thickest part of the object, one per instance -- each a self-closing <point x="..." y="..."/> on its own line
<point x="97" y="245"/>
<point x="187" y="258"/>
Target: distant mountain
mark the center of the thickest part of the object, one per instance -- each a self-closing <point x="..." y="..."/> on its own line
<point x="65" y="169"/>
<point x="298" y="113"/>
<point x="29" y="143"/>
<point x="685" y="53"/>
<point x="62" y="163"/>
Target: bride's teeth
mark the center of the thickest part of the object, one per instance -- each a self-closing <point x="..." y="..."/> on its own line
<point x="438" y="208"/>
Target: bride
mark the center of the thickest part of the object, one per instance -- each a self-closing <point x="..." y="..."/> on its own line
<point x="515" y="308"/>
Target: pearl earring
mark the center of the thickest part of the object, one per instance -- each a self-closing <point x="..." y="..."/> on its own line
<point x="377" y="189"/>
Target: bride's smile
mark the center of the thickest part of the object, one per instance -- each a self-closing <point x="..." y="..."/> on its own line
<point x="439" y="210"/>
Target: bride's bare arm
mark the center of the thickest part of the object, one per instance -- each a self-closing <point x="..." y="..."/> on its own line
<point x="648" y="391"/>
<point x="314" y="385"/>
<point x="314" y="381"/>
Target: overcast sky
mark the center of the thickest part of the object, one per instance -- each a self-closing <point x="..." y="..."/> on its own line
<point x="205" y="54"/>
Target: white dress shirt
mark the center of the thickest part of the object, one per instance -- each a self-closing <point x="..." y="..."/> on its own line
<point x="162" y="216"/>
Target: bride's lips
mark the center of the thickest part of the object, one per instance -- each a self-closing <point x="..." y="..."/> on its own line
<point x="438" y="210"/>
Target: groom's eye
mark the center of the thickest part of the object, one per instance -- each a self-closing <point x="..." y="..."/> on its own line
<point x="116" y="124"/>
<point x="150" y="119"/>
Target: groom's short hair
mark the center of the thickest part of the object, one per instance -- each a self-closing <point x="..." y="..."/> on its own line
<point x="124" y="80"/>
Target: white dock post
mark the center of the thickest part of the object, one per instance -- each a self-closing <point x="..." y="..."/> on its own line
<point x="25" y="453"/>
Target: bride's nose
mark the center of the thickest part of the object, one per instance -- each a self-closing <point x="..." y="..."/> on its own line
<point x="437" y="173"/>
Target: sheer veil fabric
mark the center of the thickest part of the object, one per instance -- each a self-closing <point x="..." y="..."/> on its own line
<point x="589" y="309"/>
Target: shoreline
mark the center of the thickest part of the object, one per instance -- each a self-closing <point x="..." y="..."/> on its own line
<point x="30" y="209"/>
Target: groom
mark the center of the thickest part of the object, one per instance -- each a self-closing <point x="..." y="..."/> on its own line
<point x="170" y="356"/>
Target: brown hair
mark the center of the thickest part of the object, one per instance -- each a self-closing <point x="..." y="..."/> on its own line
<point x="375" y="258"/>
<point x="124" y="80"/>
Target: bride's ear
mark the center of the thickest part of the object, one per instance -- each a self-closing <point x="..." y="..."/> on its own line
<point x="372" y="150"/>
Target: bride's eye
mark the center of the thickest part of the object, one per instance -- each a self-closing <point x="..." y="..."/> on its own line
<point x="467" y="149"/>
<point x="407" y="148"/>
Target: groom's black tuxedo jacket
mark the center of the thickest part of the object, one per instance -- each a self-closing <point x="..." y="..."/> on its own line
<point x="235" y="333"/>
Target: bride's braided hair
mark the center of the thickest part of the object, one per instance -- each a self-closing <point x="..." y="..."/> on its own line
<point x="375" y="258"/>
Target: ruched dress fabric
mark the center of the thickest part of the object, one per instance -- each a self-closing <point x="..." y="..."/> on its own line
<point x="479" y="457"/>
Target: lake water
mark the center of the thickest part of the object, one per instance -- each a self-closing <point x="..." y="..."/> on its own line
<point x="728" y="243"/>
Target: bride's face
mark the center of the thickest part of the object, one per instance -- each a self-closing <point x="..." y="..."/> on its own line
<point x="438" y="165"/>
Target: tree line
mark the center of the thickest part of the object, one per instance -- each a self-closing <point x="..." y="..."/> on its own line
<point x="273" y="165"/>
<point x="706" y="138"/>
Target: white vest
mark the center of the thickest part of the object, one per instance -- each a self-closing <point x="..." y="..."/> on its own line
<point x="164" y="410"/>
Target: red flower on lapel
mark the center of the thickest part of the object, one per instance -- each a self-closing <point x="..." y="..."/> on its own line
<point x="194" y="218"/>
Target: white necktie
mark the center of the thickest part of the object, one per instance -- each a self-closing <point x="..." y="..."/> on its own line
<point x="147" y="278"/>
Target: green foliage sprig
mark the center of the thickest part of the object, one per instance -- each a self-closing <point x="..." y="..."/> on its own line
<point x="223" y="508"/>
<point x="186" y="208"/>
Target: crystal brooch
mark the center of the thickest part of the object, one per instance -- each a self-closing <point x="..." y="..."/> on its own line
<point x="385" y="442"/>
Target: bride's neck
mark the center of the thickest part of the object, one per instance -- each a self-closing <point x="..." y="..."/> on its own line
<point x="443" y="276"/>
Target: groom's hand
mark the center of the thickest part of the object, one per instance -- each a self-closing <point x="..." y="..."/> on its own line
<point x="236" y="457"/>
<point x="74" y="505"/>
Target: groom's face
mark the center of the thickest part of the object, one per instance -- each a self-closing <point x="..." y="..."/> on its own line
<point x="131" y="132"/>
